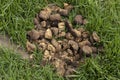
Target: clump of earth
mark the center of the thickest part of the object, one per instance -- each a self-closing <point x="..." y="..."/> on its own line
<point x="63" y="45"/>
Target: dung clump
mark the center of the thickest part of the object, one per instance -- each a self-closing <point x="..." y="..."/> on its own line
<point x="63" y="45"/>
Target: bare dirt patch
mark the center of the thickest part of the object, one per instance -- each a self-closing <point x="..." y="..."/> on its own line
<point x="6" y="43"/>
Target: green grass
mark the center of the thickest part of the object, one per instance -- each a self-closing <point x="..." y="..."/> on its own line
<point x="16" y="18"/>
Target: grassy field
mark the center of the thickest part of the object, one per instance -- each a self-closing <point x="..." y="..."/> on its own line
<point x="16" y="18"/>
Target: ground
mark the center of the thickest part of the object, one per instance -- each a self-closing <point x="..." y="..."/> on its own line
<point x="16" y="18"/>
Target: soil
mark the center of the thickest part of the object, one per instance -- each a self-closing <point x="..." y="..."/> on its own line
<point x="6" y="43"/>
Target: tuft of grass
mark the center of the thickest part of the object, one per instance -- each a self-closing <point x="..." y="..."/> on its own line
<point x="12" y="67"/>
<point x="16" y="18"/>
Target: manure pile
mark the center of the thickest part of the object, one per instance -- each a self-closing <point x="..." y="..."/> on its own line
<point x="63" y="45"/>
